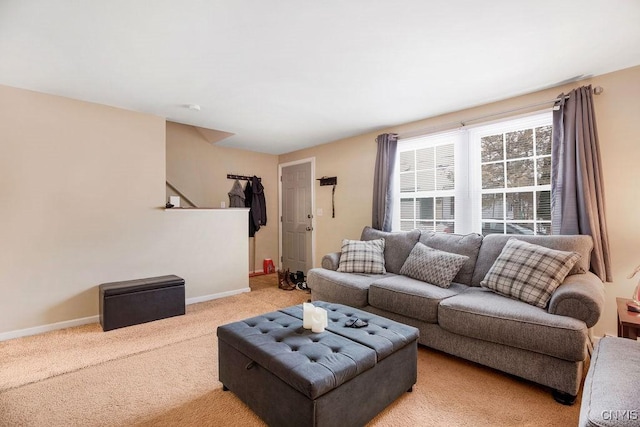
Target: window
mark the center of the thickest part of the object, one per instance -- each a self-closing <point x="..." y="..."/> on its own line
<point x="516" y="181"/>
<point x="426" y="176"/>
<point x="488" y="179"/>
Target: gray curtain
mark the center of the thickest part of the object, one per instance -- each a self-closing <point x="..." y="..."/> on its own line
<point x="383" y="180"/>
<point x="577" y="189"/>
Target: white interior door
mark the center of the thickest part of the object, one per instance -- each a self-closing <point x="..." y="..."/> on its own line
<point x="297" y="217"/>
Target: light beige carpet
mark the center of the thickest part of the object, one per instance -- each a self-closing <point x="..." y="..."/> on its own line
<point x="164" y="373"/>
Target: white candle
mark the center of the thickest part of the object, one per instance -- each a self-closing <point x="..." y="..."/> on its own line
<point x="307" y="313"/>
<point x="319" y="320"/>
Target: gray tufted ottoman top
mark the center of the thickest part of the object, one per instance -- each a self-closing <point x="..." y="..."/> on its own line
<point x="316" y="363"/>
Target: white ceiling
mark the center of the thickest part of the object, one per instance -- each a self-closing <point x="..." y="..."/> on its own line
<point x="286" y="74"/>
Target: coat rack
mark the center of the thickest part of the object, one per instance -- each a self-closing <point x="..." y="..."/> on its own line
<point x="332" y="180"/>
<point x="242" y="177"/>
<point x="247" y="178"/>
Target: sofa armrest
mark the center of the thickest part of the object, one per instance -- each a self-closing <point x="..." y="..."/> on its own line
<point x="331" y="261"/>
<point x="580" y="296"/>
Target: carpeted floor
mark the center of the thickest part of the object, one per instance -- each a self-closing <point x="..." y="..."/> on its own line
<point x="164" y="373"/>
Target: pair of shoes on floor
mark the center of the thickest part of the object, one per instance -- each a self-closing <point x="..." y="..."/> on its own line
<point x="298" y="279"/>
<point x="284" y="282"/>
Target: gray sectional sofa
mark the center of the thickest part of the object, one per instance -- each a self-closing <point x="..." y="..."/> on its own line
<point x="545" y="345"/>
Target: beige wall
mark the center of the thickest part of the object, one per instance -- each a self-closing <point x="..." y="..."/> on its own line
<point x="82" y="189"/>
<point x="618" y="112"/>
<point x="82" y="186"/>
<point x="351" y="161"/>
<point x="199" y="170"/>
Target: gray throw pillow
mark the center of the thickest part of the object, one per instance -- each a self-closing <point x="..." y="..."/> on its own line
<point x="432" y="266"/>
<point x="397" y="245"/>
<point x="362" y="257"/>
<point x="528" y="272"/>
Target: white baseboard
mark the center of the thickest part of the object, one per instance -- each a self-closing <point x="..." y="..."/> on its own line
<point x="95" y="319"/>
<point x="48" y="328"/>
<point x="260" y="272"/>
<point x="216" y="296"/>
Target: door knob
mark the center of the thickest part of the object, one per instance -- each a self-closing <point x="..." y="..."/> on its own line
<point x="309" y="228"/>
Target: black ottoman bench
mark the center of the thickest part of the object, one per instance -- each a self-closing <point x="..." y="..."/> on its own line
<point x="343" y="376"/>
<point x="141" y="300"/>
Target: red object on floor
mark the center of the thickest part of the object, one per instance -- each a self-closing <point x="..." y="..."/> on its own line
<point x="267" y="266"/>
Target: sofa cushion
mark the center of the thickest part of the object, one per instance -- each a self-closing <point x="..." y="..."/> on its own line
<point x="481" y="314"/>
<point x="410" y="297"/>
<point x="467" y="245"/>
<point x="398" y="245"/>
<point x="493" y="243"/>
<point x="342" y="288"/>
<point x="528" y="272"/>
<point x="362" y="257"/>
<point x="432" y="266"/>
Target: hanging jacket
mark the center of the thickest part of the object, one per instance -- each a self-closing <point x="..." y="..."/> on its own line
<point x="248" y="198"/>
<point x="236" y="196"/>
<point x="258" y="203"/>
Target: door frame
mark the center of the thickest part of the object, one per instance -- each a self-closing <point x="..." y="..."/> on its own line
<point x="312" y="177"/>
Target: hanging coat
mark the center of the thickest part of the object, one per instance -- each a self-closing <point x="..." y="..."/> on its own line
<point x="236" y="196"/>
<point x="258" y="203"/>
<point x="248" y="198"/>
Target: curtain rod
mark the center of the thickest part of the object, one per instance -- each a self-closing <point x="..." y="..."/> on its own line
<point x="424" y="131"/>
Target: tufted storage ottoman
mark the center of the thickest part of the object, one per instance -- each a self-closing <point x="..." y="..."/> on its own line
<point x="343" y="376"/>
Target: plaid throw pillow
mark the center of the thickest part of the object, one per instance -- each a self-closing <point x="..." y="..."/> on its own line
<point x="432" y="266"/>
<point x="362" y="257"/>
<point x="529" y="272"/>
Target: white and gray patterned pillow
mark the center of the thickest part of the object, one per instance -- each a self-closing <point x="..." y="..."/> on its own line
<point x="432" y="266"/>
<point x="528" y="272"/>
<point x="362" y="256"/>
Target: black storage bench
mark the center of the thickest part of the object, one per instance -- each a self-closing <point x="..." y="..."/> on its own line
<point x="142" y="300"/>
<point x="343" y="376"/>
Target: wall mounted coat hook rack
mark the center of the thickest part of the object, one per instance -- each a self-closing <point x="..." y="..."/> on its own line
<point x="328" y="180"/>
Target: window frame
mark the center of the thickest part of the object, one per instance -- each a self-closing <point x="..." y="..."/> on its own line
<point x="460" y="173"/>
<point x="468" y="170"/>
<point x="504" y="126"/>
